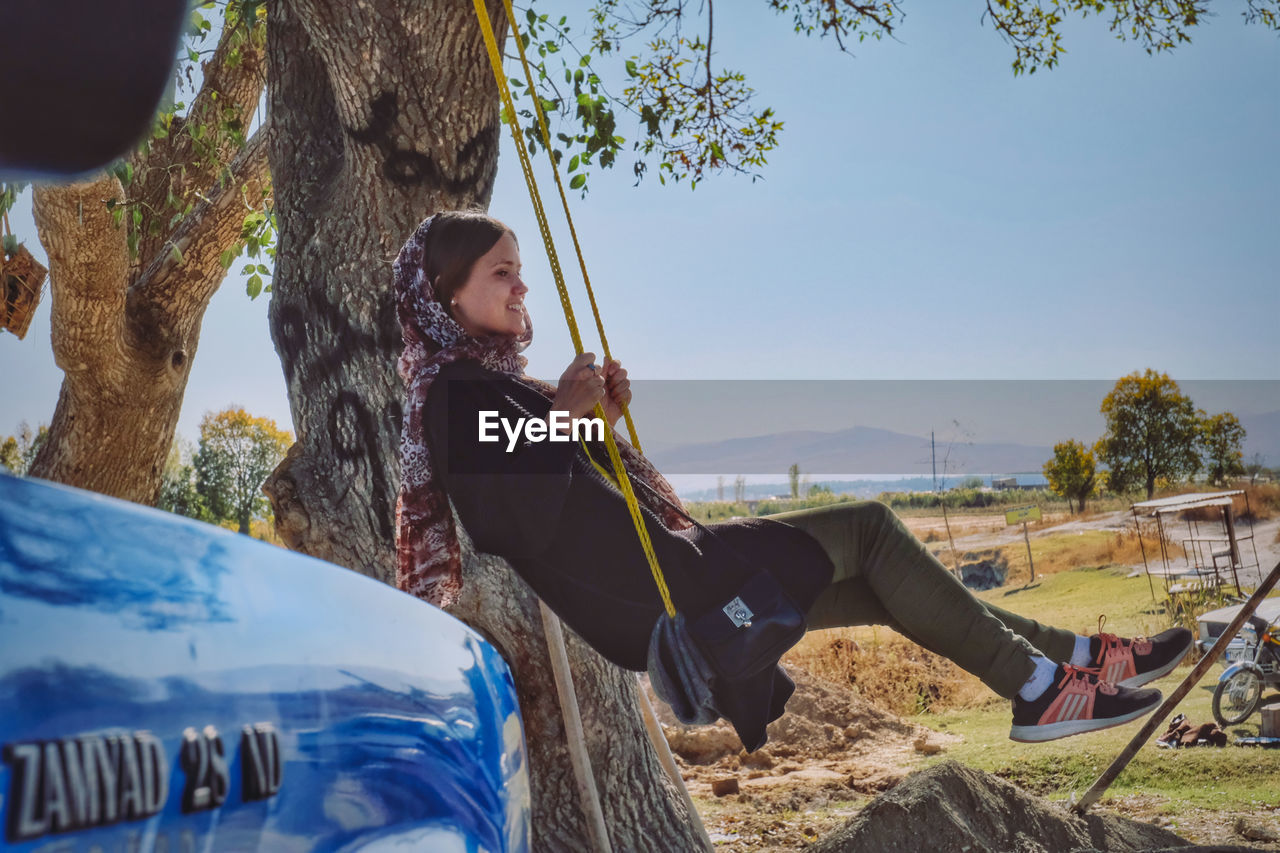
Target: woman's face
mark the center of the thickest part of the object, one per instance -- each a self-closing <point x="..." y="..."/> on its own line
<point x="491" y="302"/>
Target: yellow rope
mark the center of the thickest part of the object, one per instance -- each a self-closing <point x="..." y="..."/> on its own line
<point x="564" y="203"/>
<point x="623" y="482"/>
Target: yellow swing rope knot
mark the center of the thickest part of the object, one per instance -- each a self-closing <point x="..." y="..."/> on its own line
<point x="504" y="92"/>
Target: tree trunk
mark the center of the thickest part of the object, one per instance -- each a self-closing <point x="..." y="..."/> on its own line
<point x="642" y="808"/>
<point x="126" y="344"/>
<point x="384" y="113"/>
<point x="125" y="329"/>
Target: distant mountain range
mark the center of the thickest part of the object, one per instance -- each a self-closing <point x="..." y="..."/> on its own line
<point x="858" y="450"/>
<point x="866" y="450"/>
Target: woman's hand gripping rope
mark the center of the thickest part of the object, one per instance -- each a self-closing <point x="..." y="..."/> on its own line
<point x="583" y="384"/>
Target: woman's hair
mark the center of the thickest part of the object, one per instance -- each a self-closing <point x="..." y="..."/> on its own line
<point x="457" y="239"/>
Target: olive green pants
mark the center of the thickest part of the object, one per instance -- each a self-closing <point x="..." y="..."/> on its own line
<point x="884" y="575"/>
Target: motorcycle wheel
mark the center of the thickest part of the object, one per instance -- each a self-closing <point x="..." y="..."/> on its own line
<point x="1236" y="698"/>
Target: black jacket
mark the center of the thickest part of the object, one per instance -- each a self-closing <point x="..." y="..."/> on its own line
<point x="569" y="534"/>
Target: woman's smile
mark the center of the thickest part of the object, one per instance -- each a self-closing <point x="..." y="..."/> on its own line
<point x="491" y="302"/>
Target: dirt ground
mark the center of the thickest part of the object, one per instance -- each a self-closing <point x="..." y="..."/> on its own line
<point x="832" y="753"/>
<point x="826" y="758"/>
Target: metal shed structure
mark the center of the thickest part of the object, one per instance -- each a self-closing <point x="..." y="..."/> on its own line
<point x="1212" y="551"/>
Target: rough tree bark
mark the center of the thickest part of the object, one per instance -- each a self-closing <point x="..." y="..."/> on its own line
<point x="125" y="329"/>
<point x="383" y="113"/>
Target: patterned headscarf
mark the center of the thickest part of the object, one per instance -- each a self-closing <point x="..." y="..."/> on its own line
<point x="428" y="557"/>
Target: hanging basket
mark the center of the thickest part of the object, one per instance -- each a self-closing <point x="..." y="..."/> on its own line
<point x="21" y="285"/>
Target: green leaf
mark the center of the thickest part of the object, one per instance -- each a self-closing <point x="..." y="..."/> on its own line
<point x="578" y="182"/>
<point x="573" y="163"/>
<point x="262" y="268"/>
<point x="253" y="286"/>
<point x="226" y="258"/>
<point x="176" y="254"/>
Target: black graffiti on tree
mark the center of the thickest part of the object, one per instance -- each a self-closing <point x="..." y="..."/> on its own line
<point x="336" y="342"/>
<point x="406" y="167"/>
<point x="348" y="416"/>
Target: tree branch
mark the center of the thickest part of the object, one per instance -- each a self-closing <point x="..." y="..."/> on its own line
<point x="711" y="27"/>
<point x="88" y="265"/>
<point x="179" y="165"/>
<point x="169" y="297"/>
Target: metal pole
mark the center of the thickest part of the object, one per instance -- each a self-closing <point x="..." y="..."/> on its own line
<point x="1197" y="672"/>
<point x="1137" y="528"/>
<point x="1029" y="561"/>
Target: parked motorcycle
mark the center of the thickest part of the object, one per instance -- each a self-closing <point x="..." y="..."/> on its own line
<point x="1252" y="660"/>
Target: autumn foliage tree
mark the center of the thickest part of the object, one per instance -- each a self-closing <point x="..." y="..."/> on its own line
<point x="1071" y="472"/>
<point x="1152" y="433"/>
<point x="236" y="453"/>
<point x="17" y="451"/>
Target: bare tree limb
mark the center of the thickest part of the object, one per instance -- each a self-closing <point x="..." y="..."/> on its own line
<point x="178" y="165"/>
<point x="187" y="271"/>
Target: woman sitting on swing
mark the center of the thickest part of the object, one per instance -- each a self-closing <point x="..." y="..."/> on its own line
<point x="545" y="507"/>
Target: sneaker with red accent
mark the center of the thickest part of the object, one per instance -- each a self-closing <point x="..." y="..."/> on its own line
<point x="1078" y="702"/>
<point x="1133" y="662"/>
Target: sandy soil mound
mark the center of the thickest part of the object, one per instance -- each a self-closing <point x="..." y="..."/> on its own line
<point x="828" y="735"/>
<point x="953" y="807"/>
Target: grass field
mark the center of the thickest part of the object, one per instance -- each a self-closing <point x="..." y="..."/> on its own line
<point x="894" y="672"/>
<point x="1235" y="779"/>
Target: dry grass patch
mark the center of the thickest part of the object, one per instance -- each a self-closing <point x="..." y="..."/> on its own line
<point x="1081" y="549"/>
<point x="1263" y="502"/>
<point x="888" y="670"/>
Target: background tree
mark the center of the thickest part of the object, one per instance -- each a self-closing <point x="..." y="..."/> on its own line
<point x="237" y="451"/>
<point x="1256" y="467"/>
<point x="17" y="451"/>
<point x="178" y="491"/>
<point x="1222" y="437"/>
<point x="1152" y="433"/>
<point x="793" y="477"/>
<point x="1071" y="472"/>
<point x="135" y="255"/>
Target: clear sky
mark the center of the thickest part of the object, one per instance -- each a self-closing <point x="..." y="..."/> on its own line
<point x="927" y="216"/>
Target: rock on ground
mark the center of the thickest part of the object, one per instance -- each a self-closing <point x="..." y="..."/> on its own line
<point x="953" y="807"/>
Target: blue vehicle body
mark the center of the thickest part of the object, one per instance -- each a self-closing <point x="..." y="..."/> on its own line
<point x="169" y="686"/>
